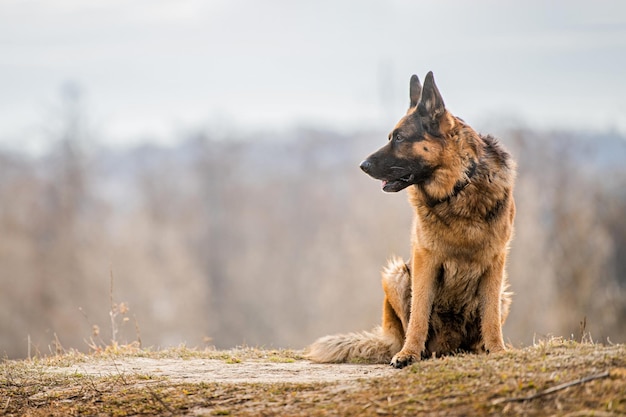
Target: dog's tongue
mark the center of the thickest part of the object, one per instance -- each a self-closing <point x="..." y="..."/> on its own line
<point x="384" y="184"/>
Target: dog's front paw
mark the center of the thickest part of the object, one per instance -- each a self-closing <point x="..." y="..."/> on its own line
<point x="403" y="359"/>
<point x="496" y="348"/>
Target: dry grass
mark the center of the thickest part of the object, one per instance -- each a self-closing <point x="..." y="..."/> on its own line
<point x="530" y="381"/>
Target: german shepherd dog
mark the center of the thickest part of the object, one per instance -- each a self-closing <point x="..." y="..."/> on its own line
<point x="451" y="297"/>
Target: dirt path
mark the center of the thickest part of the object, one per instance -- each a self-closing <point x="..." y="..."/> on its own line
<point x="213" y="370"/>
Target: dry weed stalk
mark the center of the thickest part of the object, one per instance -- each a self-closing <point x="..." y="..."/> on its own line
<point x="117" y="310"/>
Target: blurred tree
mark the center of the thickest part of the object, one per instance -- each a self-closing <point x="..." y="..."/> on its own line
<point x="576" y="233"/>
<point x="217" y="245"/>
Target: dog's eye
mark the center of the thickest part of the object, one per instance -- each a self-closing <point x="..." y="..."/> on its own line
<point x="399" y="137"/>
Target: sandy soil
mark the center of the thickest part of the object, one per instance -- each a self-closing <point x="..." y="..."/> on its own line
<point x="212" y="370"/>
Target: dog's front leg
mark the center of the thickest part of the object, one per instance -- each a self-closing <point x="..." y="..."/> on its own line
<point x="490" y="305"/>
<point x="424" y="271"/>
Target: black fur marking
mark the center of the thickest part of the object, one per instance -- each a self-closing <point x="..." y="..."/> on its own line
<point x="458" y="187"/>
<point x="496" y="210"/>
<point x="493" y="147"/>
<point x="441" y="276"/>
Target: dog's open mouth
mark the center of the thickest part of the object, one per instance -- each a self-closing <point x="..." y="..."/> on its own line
<point x="391" y="186"/>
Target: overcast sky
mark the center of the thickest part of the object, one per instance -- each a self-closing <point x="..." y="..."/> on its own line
<point x="151" y="68"/>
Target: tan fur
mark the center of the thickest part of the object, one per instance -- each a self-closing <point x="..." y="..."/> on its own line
<point x="452" y="295"/>
<point x="372" y="347"/>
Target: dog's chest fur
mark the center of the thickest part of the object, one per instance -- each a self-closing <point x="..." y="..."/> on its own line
<point x="463" y="233"/>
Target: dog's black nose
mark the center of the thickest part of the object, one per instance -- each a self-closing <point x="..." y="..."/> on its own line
<point x="366" y="165"/>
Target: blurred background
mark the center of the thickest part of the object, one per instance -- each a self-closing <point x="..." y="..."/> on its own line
<point x="187" y="171"/>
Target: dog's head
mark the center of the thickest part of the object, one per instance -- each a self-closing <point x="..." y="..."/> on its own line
<point x="415" y="144"/>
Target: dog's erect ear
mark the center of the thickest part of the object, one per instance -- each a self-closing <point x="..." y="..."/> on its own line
<point x="431" y="106"/>
<point x="415" y="91"/>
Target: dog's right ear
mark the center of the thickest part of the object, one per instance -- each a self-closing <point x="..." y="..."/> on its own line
<point x="415" y="91"/>
<point x="431" y="106"/>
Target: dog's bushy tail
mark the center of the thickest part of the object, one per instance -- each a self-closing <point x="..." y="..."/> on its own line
<point x="369" y="347"/>
<point x="375" y="346"/>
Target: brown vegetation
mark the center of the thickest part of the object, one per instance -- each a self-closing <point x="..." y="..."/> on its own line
<point x="554" y="377"/>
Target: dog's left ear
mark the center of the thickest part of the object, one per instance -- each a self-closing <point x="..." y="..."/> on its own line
<point x="431" y="106"/>
<point x="415" y="91"/>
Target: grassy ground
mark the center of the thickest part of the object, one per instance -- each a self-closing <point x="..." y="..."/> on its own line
<point x="555" y="377"/>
